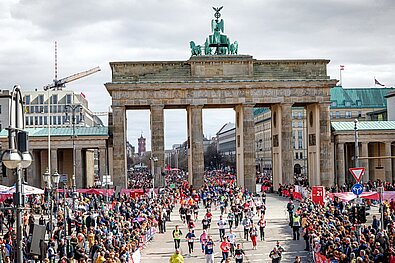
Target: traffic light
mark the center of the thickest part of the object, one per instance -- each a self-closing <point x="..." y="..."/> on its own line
<point x="353" y="214"/>
<point x="361" y="214"/>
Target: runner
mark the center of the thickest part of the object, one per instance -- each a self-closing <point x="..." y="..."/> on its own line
<point x="190" y="237"/>
<point x="209" y="250"/>
<point x="239" y="254"/>
<point x="225" y="247"/>
<point x="177" y="237"/>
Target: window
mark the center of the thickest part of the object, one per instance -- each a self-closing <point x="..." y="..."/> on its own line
<point x="31" y="120"/>
<point x="27" y="99"/>
<point x="337" y="114"/>
<point x="45" y="120"/>
<point x="41" y="120"/>
<point x="31" y="109"/>
<point x="41" y="99"/>
<point x="347" y="103"/>
<point x="26" y="120"/>
<point x="359" y="103"/>
<point x="359" y="114"/>
<point x="300" y="124"/>
<point x="60" y="108"/>
<point x="37" y="109"/>
<point x="293" y="115"/>
<point x="68" y="99"/>
<point x="293" y="124"/>
<point x="59" y="119"/>
<point x="55" y="99"/>
<point x="41" y="109"/>
<point x="296" y="156"/>
<point x="54" y="109"/>
<point x="45" y="109"/>
<point x="330" y="114"/>
<point x="348" y="114"/>
<point x="36" y="120"/>
<point x="301" y="155"/>
<point x="0" y="109"/>
<point x="300" y="144"/>
<point x="333" y="103"/>
<point x="54" y="120"/>
<point x="300" y="134"/>
<point x="299" y="115"/>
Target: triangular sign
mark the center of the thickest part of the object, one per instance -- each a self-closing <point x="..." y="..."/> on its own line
<point x="357" y="172"/>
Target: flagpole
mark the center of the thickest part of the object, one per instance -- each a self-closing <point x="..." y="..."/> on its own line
<point x="341" y="80"/>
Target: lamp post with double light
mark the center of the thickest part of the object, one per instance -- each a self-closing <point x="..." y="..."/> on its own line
<point x="72" y="111"/>
<point x="17" y="157"/>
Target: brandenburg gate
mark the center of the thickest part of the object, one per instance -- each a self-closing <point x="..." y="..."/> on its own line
<point x="221" y="78"/>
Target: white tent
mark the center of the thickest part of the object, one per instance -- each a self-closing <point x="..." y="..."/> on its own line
<point x="26" y="190"/>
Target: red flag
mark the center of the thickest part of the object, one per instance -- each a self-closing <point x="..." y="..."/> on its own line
<point x="83" y="95"/>
<point x="376" y="82"/>
<point x="341" y="67"/>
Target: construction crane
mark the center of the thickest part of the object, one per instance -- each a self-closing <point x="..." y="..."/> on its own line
<point x="59" y="84"/>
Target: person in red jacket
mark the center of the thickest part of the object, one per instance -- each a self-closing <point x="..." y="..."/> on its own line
<point x="225" y="247"/>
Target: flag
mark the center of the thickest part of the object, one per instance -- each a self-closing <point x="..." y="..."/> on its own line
<point x="341" y="67"/>
<point x="83" y="95"/>
<point x="376" y="82"/>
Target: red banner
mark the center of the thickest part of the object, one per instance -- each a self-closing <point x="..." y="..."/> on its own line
<point x="318" y="194"/>
<point x="297" y="196"/>
<point x="318" y="258"/>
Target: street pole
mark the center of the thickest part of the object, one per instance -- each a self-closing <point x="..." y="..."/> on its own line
<point x="381" y="192"/>
<point x="356" y="164"/>
<point x="73" y="109"/>
<point x="17" y="157"/>
<point x="356" y="156"/>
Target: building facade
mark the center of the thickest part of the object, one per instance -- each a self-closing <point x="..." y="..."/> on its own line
<point x="38" y="102"/>
<point x="364" y="104"/>
<point x="141" y="145"/>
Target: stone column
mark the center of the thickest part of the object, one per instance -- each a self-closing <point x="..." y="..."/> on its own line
<point x="54" y="160"/>
<point x="195" y="146"/>
<point x="119" y="147"/>
<point x="326" y="150"/>
<point x="313" y="143"/>
<point x="102" y="162"/>
<point x="79" y="174"/>
<point x="365" y="162"/>
<point x="388" y="162"/>
<point x="282" y="149"/>
<point x="245" y="146"/>
<point x="341" y="176"/>
<point x="157" y="143"/>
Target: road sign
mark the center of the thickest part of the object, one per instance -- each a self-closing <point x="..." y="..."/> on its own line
<point x="357" y="172"/>
<point x="357" y="189"/>
<point x="63" y="178"/>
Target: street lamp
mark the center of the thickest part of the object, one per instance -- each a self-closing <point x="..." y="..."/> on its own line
<point x="17" y="157"/>
<point x="71" y="117"/>
<point x="51" y="180"/>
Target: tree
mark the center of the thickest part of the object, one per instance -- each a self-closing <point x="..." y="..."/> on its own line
<point x="212" y="158"/>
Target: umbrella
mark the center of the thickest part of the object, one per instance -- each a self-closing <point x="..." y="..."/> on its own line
<point x="139" y="219"/>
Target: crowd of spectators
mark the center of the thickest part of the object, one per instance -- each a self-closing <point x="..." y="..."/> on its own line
<point x="330" y="232"/>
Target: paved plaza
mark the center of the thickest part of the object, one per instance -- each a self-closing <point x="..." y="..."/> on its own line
<point x="162" y="247"/>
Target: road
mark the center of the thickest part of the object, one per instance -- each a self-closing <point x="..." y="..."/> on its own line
<point x="277" y="229"/>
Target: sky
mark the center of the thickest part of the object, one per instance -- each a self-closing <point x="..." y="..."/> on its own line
<point x="358" y="34"/>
